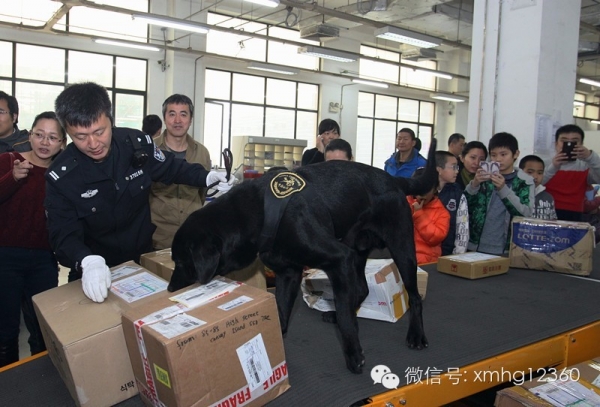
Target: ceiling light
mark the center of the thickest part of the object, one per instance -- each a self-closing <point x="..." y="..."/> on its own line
<point x="371" y="83"/>
<point x="448" y="97"/>
<point x="127" y="44"/>
<point x="589" y="82"/>
<point x="327" y="53"/>
<point x="595" y="121"/>
<point x="285" y="70"/>
<point x="171" y="22"/>
<point x="433" y="73"/>
<point x="407" y="37"/>
<point x="578" y="103"/>
<point x="266" y="3"/>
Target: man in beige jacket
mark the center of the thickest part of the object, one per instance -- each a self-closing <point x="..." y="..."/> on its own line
<point x="171" y="204"/>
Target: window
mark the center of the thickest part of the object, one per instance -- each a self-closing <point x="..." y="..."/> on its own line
<point x="36" y="85"/>
<point x="249" y="105"/>
<point x="380" y="118"/>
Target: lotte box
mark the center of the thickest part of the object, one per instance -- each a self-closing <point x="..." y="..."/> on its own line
<point x="217" y="344"/>
<point x="387" y="299"/>
<point x="85" y="340"/>
<point x="160" y="263"/>
<point x="560" y="246"/>
<point x="473" y="265"/>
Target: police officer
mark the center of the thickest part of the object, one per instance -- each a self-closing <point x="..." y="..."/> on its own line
<point x="97" y="189"/>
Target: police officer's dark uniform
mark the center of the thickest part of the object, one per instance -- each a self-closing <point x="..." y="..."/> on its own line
<point x="103" y="208"/>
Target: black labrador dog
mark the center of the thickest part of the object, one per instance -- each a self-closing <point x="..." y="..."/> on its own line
<point x="336" y="214"/>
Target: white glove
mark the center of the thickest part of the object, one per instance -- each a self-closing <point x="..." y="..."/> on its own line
<point x="96" y="278"/>
<point x="224" y="185"/>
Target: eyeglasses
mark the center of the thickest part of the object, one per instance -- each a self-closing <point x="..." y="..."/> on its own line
<point x="42" y="137"/>
<point x="2" y="111"/>
<point x="453" y="167"/>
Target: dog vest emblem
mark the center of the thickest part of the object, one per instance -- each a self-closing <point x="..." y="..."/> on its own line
<point x="286" y="184"/>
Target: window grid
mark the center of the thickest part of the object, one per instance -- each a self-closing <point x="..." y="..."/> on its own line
<point x="366" y="133"/>
<point x="230" y="105"/>
<point x="25" y="119"/>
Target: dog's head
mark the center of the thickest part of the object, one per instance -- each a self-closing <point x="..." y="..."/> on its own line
<point x="196" y="256"/>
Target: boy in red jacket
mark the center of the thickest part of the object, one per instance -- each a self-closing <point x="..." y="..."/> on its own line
<point x="431" y="224"/>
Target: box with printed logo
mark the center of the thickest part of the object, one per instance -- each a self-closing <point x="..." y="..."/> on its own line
<point x="473" y="265"/>
<point x="217" y="344"/>
<point x="387" y="299"/>
<point x="564" y="247"/>
<point x="160" y="263"/>
<point x="85" y="340"/>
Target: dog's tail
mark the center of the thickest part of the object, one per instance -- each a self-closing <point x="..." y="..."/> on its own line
<point x="427" y="180"/>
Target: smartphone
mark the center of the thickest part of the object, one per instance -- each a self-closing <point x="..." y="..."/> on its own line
<point x="567" y="148"/>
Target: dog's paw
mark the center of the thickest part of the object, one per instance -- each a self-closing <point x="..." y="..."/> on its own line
<point x="417" y="342"/>
<point x="330" y="317"/>
<point x="355" y="363"/>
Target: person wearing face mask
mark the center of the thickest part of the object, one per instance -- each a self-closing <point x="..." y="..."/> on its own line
<point x="97" y="190"/>
<point x="406" y="159"/>
<point x="28" y="263"/>
<point x="328" y="130"/>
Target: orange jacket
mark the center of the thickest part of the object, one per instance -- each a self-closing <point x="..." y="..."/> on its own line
<point x="431" y="224"/>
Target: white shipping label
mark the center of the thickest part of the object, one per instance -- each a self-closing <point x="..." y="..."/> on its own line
<point x="205" y="293"/>
<point x="123" y="272"/>
<point x="566" y="393"/>
<point x="235" y="303"/>
<point x="255" y="361"/>
<point x="178" y="325"/>
<point x="139" y="286"/>
<point x="473" y="256"/>
<point x="164" y="313"/>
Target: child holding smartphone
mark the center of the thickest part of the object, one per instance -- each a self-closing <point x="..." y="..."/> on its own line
<point x="496" y="194"/>
<point x="571" y="170"/>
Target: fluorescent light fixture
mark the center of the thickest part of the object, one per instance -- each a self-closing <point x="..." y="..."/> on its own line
<point x="433" y="73"/>
<point x="171" y="22"/>
<point x="578" y="103"/>
<point x="407" y="37"/>
<point x="266" y="3"/>
<point x="448" y="97"/>
<point x="371" y="83"/>
<point x="589" y="82"/>
<point x="285" y="70"/>
<point x="327" y="53"/>
<point x="127" y="44"/>
<point x="595" y="121"/>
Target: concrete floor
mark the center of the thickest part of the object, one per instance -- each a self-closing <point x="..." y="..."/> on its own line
<point x="24" y="333"/>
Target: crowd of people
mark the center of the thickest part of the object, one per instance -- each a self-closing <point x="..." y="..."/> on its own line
<point x="115" y="193"/>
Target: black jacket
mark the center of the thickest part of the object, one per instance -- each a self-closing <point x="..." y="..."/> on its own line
<point x="103" y="209"/>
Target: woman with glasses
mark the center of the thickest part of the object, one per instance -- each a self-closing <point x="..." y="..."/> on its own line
<point x="28" y="265"/>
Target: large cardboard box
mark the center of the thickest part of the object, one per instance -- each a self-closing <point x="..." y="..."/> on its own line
<point x="85" y="340"/>
<point x="560" y="246"/>
<point x="218" y="344"/>
<point x="160" y="263"/>
<point x="577" y="385"/>
<point x="387" y="299"/>
<point x="473" y="265"/>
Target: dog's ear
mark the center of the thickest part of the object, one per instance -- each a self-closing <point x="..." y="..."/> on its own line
<point x="206" y="259"/>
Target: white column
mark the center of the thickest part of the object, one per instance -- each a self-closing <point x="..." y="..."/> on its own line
<point x="523" y="70"/>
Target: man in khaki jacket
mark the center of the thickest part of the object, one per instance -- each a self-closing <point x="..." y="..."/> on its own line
<point x="171" y="204"/>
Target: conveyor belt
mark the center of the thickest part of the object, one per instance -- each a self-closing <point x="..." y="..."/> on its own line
<point x="465" y="321"/>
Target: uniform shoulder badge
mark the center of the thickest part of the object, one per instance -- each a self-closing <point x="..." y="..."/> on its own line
<point x="285" y="184"/>
<point x="61" y="169"/>
<point x="158" y="154"/>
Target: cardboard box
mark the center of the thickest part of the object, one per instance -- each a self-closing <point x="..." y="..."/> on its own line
<point x="564" y="247"/>
<point x="160" y="263"/>
<point x="85" y="340"/>
<point x="218" y="344"/>
<point x="387" y="299"/>
<point x="473" y="265"/>
<point x="422" y="279"/>
<point x="575" y="385"/>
